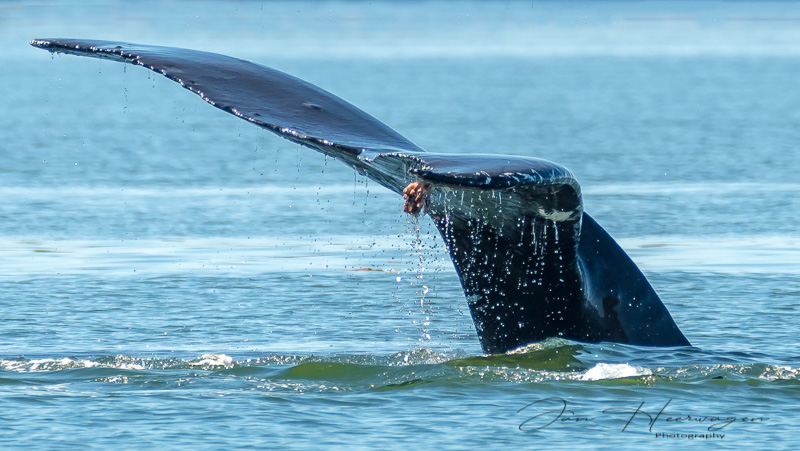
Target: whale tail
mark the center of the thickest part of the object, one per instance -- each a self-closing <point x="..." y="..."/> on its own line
<point x="532" y="264"/>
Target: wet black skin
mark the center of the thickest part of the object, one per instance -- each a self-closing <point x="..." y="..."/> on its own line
<point x="532" y="263"/>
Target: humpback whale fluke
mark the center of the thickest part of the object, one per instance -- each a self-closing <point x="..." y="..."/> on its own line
<point x="532" y="263"/>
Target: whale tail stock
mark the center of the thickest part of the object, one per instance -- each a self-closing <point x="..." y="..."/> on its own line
<point x="531" y="262"/>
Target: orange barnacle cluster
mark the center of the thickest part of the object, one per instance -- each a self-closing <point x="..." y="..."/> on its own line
<point x="416" y="195"/>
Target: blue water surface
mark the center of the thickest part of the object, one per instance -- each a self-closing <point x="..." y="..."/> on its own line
<point x="175" y="277"/>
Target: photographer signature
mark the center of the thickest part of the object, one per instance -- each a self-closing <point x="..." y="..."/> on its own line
<point x="548" y="411"/>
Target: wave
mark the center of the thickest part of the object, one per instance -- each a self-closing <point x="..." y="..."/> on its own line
<point x="554" y="361"/>
<point x="712" y="188"/>
<point x="736" y="254"/>
<point x="118" y="192"/>
<point x="590" y="188"/>
<point x="740" y="254"/>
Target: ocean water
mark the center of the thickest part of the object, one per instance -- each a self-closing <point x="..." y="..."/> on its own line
<point x="172" y="276"/>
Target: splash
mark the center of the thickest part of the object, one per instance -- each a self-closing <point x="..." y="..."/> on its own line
<point x="613" y="371"/>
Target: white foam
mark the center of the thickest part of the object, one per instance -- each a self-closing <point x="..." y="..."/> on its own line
<point x="42" y="365"/>
<point x="213" y="360"/>
<point x="613" y="371"/>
